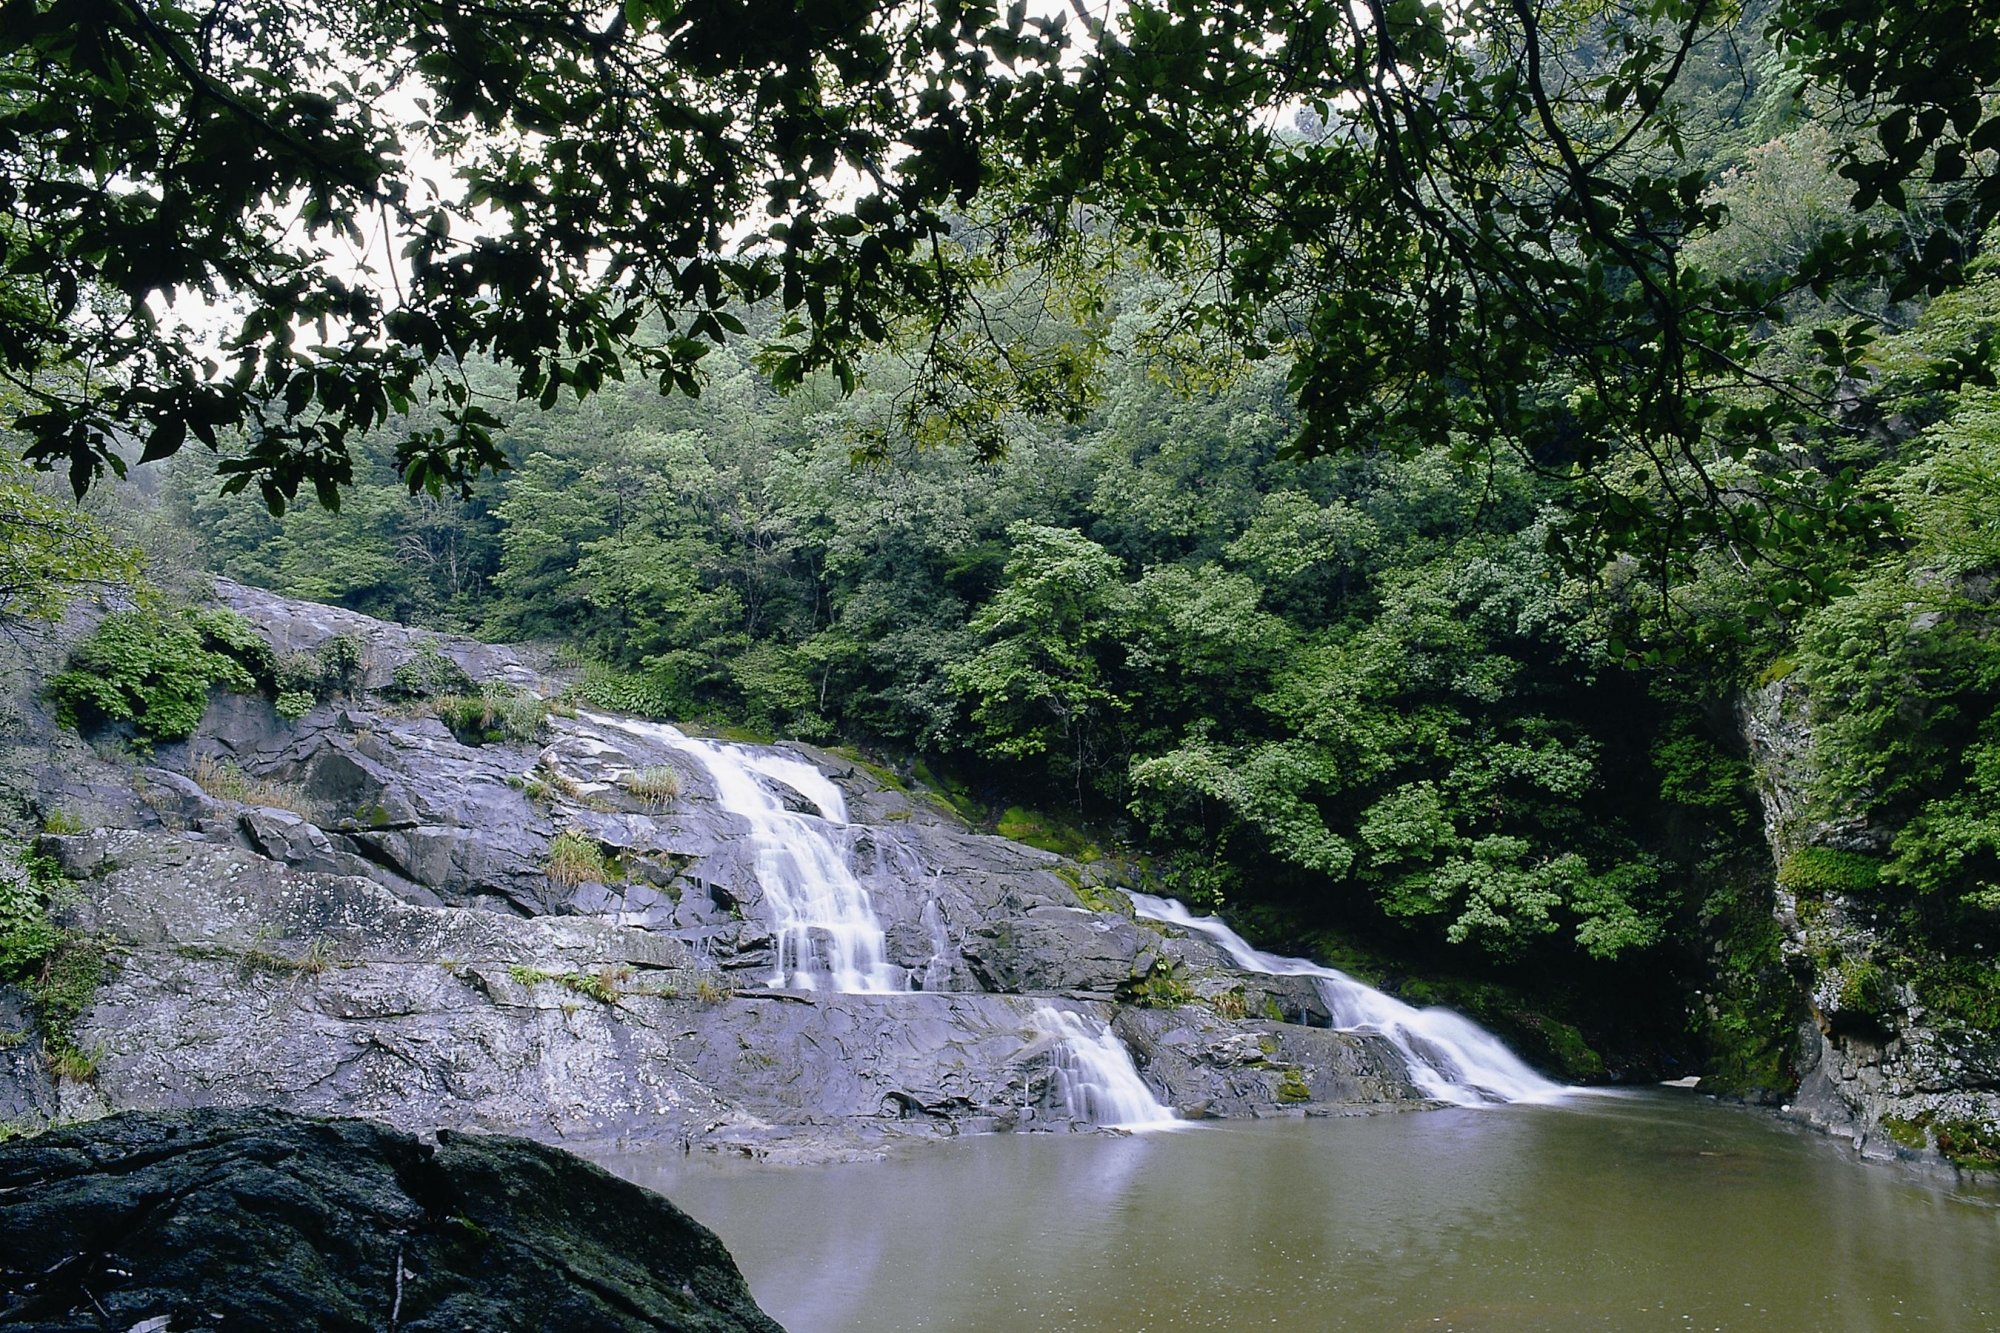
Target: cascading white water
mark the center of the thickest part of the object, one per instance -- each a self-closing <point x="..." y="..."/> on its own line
<point x="824" y="923"/>
<point x="1450" y="1057"/>
<point x="1095" y="1076"/>
<point x="937" y="972"/>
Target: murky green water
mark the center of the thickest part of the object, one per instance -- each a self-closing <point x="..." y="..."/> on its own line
<point x="1638" y="1211"/>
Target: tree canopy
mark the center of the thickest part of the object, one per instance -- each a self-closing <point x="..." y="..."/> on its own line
<point x="380" y="194"/>
<point x="1471" y="226"/>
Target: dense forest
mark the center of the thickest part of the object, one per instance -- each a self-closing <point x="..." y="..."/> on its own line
<point x="1457" y="713"/>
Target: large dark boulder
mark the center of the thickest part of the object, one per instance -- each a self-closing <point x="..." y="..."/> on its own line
<point x="259" y="1219"/>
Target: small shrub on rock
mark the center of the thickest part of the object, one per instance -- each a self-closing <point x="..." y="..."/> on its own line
<point x="496" y="713"/>
<point x="428" y="674"/>
<point x="154" y="669"/>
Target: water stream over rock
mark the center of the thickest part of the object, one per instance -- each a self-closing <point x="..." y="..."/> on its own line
<point x="1450" y="1057"/>
<point x="1095" y="1076"/>
<point x="828" y="937"/>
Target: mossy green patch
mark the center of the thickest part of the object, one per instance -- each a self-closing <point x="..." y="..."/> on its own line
<point x="1906" y="1133"/>
<point x="1048" y="833"/>
<point x="1865" y="989"/>
<point x="1163" y="987"/>
<point x="1965" y="989"/>
<point x="1970" y="1144"/>
<point x="1821" y="872"/>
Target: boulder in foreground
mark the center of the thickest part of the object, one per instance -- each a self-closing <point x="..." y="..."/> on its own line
<point x="260" y="1219"/>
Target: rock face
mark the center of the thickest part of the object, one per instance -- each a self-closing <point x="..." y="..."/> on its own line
<point x="376" y="923"/>
<point x="1874" y="1067"/>
<point x="260" y="1219"/>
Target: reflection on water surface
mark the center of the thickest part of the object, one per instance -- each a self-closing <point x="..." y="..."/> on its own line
<point x="1622" y="1211"/>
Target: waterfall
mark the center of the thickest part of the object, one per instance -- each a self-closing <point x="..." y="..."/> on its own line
<point x="1094" y="1074"/>
<point x="1450" y="1057"/>
<point x="937" y="972"/>
<point x="823" y="922"/>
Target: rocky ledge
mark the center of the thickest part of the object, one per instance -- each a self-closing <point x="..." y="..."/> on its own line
<point x="259" y="1219"/>
<point x="362" y="911"/>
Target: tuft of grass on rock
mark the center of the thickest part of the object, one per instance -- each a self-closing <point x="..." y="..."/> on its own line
<point x="222" y="779"/>
<point x="656" y="786"/>
<point x="575" y="858"/>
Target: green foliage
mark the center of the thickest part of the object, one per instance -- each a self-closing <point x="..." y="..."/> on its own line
<point x="51" y="549"/>
<point x="1821" y="872"/>
<point x="604" y="985"/>
<point x="27" y="937"/>
<point x="1038" y="687"/>
<point x="561" y="293"/>
<point x="1047" y="832"/>
<point x="1965" y="989"/>
<point x="1430" y="757"/>
<point x="1460" y="684"/>
<point x="340" y="661"/>
<point x="154" y="669"/>
<point x="428" y="674"/>
<point x="1163" y="987"/>
<point x="1969" y="1144"/>
<point x="643" y="694"/>
<point x="1292" y="1088"/>
<point x="303" y="679"/>
<point x="1748" y="1017"/>
<point x="59" y="969"/>
<point x="498" y="714"/>
<point x="1865" y="990"/>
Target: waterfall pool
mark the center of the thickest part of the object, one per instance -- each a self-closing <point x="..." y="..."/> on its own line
<point x="1630" y="1210"/>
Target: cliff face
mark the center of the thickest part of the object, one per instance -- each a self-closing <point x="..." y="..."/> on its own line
<point x="358" y="912"/>
<point x="1874" y="1065"/>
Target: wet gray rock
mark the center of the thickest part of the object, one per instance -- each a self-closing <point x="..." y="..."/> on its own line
<point x="304" y="627"/>
<point x="1055" y="948"/>
<point x="1209" y="1067"/>
<point x="258" y="1219"/>
<point x="28" y="1094"/>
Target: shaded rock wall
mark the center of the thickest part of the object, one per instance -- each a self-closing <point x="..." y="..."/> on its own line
<point x="1884" y="1074"/>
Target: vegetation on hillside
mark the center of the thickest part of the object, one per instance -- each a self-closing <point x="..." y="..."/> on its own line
<point x="1350" y="459"/>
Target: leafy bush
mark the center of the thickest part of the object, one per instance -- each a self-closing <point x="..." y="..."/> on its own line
<point x="59" y="969"/>
<point x="428" y="674"/>
<point x="302" y="679"/>
<point x="642" y="694"/>
<point x="27" y="937"/>
<point x="496" y="714"/>
<point x="155" y="669"/>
